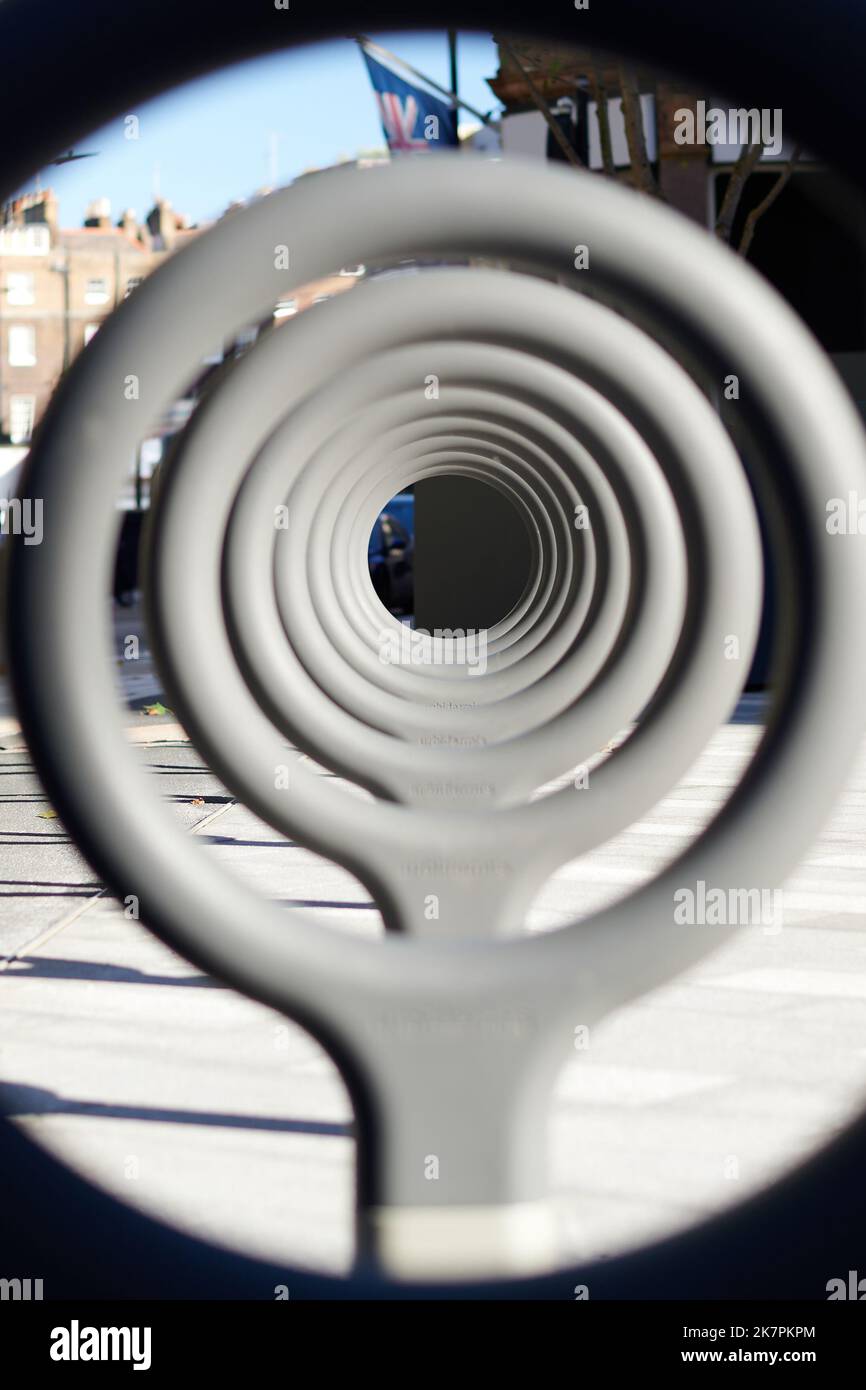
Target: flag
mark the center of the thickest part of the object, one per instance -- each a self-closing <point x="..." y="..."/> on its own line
<point x="412" y="119"/>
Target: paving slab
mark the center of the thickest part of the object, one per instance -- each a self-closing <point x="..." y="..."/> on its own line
<point x="196" y="1104"/>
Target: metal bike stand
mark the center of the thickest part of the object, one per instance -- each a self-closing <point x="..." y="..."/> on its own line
<point x="448" y="1037"/>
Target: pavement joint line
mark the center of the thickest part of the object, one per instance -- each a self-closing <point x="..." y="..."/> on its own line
<point x="208" y="820"/>
<point x="158" y="733"/>
<point x="135" y="733"/>
<point x="38" y="942"/>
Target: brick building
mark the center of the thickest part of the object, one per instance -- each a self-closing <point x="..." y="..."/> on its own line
<point x="57" y="286"/>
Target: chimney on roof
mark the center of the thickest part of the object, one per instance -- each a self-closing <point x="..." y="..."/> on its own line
<point x="38" y="207"/>
<point x="98" y="214"/>
<point x="128" y="224"/>
<point x="162" y="223"/>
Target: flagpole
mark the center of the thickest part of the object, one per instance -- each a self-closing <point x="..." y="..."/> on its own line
<point x="364" y="42"/>
<point x="452" y="54"/>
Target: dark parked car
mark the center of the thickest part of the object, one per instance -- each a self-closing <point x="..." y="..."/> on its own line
<point x="391" y="555"/>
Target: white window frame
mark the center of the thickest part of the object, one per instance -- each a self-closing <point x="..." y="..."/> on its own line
<point x="18" y="435"/>
<point x="20" y="356"/>
<point x="33" y="240"/>
<point x="20" y="287"/>
<point x="94" y="296"/>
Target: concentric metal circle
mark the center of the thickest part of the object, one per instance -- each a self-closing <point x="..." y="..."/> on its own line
<point x="513" y="1003"/>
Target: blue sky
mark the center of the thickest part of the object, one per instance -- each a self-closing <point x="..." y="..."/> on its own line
<point x="210" y="141"/>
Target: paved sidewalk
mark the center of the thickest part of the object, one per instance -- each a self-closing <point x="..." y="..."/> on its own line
<point x="213" y="1112"/>
<point x="138" y="683"/>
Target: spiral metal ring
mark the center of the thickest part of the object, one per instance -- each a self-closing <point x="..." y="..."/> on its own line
<point x="559" y="401"/>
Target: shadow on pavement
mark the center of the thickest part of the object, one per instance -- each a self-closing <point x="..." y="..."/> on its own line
<point x="19" y="1100"/>
<point x="48" y="968"/>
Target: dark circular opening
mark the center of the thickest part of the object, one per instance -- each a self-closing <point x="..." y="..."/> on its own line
<point x="451" y="552"/>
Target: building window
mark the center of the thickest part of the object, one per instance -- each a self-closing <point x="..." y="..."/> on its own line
<point x="96" y="292"/>
<point x="34" y="240"/>
<point x="22" y="410"/>
<point x="90" y="330"/>
<point x="20" y="287"/>
<point x="22" y="345"/>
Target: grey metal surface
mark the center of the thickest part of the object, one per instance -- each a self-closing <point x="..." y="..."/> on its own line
<point x="116" y="1048"/>
<point x="449" y="1040"/>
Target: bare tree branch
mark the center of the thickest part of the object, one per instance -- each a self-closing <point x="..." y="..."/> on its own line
<point x="641" y="173"/>
<point x="567" y="149"/>
<point x="746" y="163"/>
<point x="599" y="96"/>
<point x="757" y="213"/>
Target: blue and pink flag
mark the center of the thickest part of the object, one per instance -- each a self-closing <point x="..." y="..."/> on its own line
<point x="413" y="119"/>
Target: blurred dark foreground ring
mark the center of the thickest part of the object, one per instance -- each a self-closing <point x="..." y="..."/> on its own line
<point x="500" y="1014"/>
